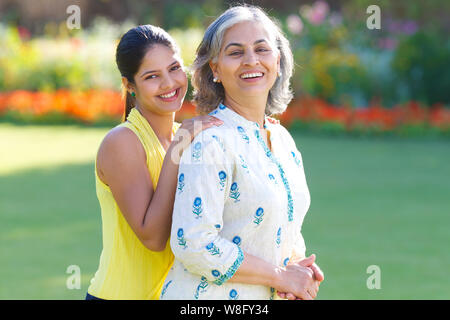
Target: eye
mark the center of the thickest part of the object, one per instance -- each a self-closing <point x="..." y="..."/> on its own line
<point x="153" y="76"/>
<point x="175" y="68"/>
<point x="235" y="53"/>
<point x="262" y="49"/>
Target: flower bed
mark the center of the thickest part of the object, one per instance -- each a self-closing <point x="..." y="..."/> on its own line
<point x="405" y="119"/>
<point x="106" y="107"/>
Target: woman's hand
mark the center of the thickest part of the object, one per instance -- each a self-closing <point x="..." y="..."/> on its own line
<point x="317" y="272"/>
<point x="298" y="281"/>
<point x="188" y="130"/>
<point x="195" y="125"/>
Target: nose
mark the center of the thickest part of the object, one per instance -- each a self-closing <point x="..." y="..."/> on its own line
<point x="167" y="82"/>
<point x="250" y="58"/>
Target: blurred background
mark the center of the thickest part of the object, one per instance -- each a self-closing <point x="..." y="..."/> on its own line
<point x="371" y="117"/>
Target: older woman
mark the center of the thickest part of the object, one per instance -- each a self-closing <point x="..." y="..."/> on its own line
<point x="242" y="193"/>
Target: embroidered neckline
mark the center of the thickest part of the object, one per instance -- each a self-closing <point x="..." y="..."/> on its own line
<point x="240" y="119"/>
<point x="269" y="154"/>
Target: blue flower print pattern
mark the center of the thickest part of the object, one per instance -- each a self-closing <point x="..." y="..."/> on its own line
<point x="216" y="273"/>
<point x="181" y="239"/>
<point x="233" y="295"/>
<point x="272" y="178"/>
<point x="234" y="192"/>
<point x="201" y="288"/>
<point x="237" y="240"/>
<point x="213" y="112"/>
<point x="221" y="107"/>
<point x="213" y="249"/>
<point x="243" y="134"/>
<point x="197" y="152"/>
<point x="244" y="164"/>
<point x="258" y="216"/>
<point x="285" y="262"/>
<point x="197" y="207"/>
<point x="278" y="241"/>
<point x="163" y="292"/>
<point x="219" y="142"/>
<point x="296" y="159"/>
<point x="222" y="179"/>
<point x="181" y="182"/>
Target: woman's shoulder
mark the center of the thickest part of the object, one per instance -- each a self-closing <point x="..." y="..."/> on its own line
<point x="120" y="140"/>
<point x="120" y="135"/>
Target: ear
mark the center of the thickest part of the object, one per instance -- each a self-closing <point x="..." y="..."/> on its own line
<point x="127" y="85"/>
<point x="279" y="61"/>
<point x="213" y="67"/>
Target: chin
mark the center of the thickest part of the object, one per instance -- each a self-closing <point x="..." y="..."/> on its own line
<point x="255" y="92"/>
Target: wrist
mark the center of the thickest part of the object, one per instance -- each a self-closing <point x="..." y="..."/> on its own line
<point x="276" y="277"/>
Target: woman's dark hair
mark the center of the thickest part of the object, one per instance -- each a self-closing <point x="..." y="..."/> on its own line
<point x="131" y="50"/>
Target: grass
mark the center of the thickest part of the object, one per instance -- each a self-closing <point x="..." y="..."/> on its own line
<point x="381" y="202"/>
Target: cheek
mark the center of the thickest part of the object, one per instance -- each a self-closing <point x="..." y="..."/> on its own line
<point x="148" y="88"/>
<point x="271" y="62"/>
<point x="182" y="79"/>
<point x="228" y="69"/>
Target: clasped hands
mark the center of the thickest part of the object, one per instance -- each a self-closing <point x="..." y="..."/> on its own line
<point x="308" y="277"/>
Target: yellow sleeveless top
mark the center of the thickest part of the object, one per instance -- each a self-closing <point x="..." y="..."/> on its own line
<point x="127" y="269"/>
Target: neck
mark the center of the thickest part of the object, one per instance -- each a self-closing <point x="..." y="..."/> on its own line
<point x="161" y="124"/>
<point x="252" y="109"/>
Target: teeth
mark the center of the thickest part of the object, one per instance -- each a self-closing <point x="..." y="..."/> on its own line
<point x="169" y="95"/>
<point x="251" y="75"/>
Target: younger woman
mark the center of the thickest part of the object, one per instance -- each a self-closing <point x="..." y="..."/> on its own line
<point x="136" y="209"/>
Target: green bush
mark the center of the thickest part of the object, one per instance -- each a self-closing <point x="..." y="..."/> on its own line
<point x="422" y="62"/>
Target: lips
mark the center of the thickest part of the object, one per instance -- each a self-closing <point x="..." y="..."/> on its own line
<point x="170" y="95"/>
<point x="251" y="76"/>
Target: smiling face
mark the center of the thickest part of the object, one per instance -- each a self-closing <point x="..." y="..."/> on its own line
<point x="160" y="82"/>
<point x="248" y="62"/>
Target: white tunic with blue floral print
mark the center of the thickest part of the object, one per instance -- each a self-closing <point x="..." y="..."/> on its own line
<point x="235" y="195"/>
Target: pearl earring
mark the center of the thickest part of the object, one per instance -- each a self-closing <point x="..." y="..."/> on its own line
<point x="215" y="80"/>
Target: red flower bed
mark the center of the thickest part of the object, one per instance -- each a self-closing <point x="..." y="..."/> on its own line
<point x="92" y="106"/>
<point x="314" y="110"/>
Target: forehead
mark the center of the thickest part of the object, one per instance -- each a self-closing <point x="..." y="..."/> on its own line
<point x="246" y="32"/>
<point x="157" y="57"/>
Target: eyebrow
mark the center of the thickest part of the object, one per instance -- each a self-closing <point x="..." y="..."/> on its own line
<point x="241" y="45"/>
<point x="153" y="71"/>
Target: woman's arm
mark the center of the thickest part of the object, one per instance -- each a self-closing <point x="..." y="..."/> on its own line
<point x="122" y="162"/>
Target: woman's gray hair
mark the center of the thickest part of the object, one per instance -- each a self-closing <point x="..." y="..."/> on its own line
<point x="208" y="94"/>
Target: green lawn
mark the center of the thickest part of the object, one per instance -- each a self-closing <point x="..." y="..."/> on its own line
<point x="373" y="202"/>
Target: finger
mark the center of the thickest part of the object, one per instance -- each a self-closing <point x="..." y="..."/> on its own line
<point x="282" y="295"/>
<point x="306" y="296"/>
<point x="313" y="294"/>
<point x="317" y="283"/>
<point x="214" y="119"/>
<point x="307" y="262"/>
<point x="318" y="274"/>
<point x="290" y="296"/>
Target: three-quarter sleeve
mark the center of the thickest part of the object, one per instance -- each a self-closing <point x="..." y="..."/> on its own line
<point x="203" y="182"/>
